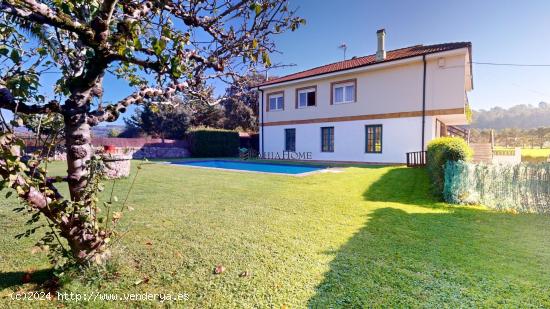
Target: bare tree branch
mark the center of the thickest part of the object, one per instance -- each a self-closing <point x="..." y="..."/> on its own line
<point x="8" y="102"/>
<point x="111" y="112"/>
<point x="42" y="14"/>
<point x="103" y="19"/>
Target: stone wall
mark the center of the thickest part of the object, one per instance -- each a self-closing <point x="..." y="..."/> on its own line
<point x="155" y="152"/>
<point x="59" y="154"/>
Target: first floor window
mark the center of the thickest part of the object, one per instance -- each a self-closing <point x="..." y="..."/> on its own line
<point x="306" y="97"/>
<point x="327" y="139"/>
<point x="373" y="135"/>
<point x="290" y="139"/>
<point x="343" y="92"/>
<point x="276" y="101"/>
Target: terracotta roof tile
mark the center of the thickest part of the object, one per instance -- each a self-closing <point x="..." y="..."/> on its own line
<point x="392" y="55"/>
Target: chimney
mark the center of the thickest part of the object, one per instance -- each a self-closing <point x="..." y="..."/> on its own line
<point x="381" y="52"/>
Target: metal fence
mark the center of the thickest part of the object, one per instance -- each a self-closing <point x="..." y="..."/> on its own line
<point x="511" y="187"/>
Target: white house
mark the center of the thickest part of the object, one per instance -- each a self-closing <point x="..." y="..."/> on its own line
<point x="368" y="109"/>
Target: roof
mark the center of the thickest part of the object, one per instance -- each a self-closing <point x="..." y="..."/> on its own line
<point x="392" y="55"/>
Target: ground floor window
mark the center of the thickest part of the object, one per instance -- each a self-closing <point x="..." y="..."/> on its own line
<point x="327" y="139"/>
<point x="290" y="139"/>
<point x="373" y="135"/>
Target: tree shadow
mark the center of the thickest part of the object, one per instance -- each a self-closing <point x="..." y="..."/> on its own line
<point x="426" y="254"/>
<point x="17" y="278"/>
<point x="402" y="185"/>
<point x="429" y="259"/>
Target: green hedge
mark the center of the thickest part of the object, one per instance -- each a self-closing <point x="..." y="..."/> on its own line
<point x="206" y="142"/>
<point x="441" y="150"/>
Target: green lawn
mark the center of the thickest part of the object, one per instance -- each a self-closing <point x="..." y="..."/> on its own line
<point x="532" y="154"/>
<point x="365" y="237"/>
<point x="535" y="152"/>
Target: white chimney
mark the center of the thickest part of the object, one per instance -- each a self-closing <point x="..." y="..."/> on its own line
<point x="381" y="52"/>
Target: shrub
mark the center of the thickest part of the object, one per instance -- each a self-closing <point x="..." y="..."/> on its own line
<point x="207" y="142"/>
<point x="441" y="150"/>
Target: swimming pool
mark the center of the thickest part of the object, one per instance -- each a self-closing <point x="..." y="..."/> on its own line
<point x="254" y="166"/>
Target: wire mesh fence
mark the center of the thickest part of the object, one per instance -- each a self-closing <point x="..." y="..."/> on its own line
<point x="517" y="187"/>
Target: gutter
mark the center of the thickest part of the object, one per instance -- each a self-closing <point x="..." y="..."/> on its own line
<point x="423" y="102"/>
<point x="262" y="121"/>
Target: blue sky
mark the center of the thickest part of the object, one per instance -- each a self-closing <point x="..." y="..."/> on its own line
<point x="500" y="31"/>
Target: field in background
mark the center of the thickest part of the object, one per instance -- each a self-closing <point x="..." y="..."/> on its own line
<point x="532" y="154"/>
<point x="365" y="237"/>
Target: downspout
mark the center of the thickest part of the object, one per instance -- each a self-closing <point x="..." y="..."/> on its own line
<point x="262" y="121"/>
<point x="423" y="102"/>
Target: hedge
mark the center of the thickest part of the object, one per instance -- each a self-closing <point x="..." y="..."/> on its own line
<point x="440" y="151"/>
<point x="206" y="142"/>
<point x="510" y="187"/>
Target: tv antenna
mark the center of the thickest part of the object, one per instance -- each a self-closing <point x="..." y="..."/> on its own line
<point x="344" y="47"/>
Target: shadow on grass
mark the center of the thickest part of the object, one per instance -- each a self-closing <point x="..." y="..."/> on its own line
<point x="402" y="185"/>
<point x="433" y="255"/>
<point x="16" y="278"/>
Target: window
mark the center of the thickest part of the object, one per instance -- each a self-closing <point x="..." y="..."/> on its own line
<point x="290" y="139"/>
<point x="344" y="92"/>
<point x="327" y="139"/>
<point x="373" y="143"/>
<point x="276" y="101"/>
<point x="306" y="97"/>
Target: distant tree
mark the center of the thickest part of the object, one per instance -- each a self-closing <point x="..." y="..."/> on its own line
<point x="203" y="111"/>
<point x="131" y="132"/>
<point x="160" y="121"/>
<point x="519" y="116"/>
<point x="113" y="133"/>
<point x="241" y="103"/>
<point x="541" y="134"/>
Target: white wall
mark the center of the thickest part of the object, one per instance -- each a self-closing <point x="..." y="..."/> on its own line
<point x="392" y="88"/>
<point x="399" y="136"/>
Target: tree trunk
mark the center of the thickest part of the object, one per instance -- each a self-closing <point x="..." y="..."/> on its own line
<point x="86" y="242"/>
<point x="78" y="141"/>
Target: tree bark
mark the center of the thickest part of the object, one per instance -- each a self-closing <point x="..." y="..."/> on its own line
<point x="78" y="142"/>
<point x="86" y="242"/>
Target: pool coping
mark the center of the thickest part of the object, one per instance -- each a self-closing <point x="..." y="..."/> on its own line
<point x="325" y="169"/>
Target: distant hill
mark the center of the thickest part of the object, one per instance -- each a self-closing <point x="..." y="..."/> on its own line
<point x="103" y="131"/>
<point x="519" y="116"/>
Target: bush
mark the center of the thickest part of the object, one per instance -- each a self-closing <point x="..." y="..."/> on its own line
<point x="207" y="142"/>
<point x="441" y="150"/>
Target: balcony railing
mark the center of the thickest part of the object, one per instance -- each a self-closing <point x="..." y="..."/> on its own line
<point x="416" y="159"/>
<point x="456" y="131"/>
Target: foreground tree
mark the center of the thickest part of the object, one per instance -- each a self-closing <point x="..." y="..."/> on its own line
<point x="161" y="47"/>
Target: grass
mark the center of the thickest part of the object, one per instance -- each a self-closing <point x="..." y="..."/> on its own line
<point x="533" y="154"/>
<point x="366" y="237"/>
<point x="542" y="153"/>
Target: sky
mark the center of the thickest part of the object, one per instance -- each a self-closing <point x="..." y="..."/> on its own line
<point x="500" y="32"/>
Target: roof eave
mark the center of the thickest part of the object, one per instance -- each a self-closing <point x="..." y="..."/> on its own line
<point x="368" y="66"/>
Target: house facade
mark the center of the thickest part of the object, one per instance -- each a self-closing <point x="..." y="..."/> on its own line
<point x="368" y="109"/>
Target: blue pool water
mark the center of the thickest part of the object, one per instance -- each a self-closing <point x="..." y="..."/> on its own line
<point x="254" y="166"/>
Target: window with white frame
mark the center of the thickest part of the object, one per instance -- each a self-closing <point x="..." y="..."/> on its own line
<point x="344" y="92"/>
<point x="276" y="101"/>
<point x="306" y="97"/>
